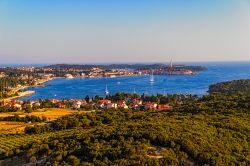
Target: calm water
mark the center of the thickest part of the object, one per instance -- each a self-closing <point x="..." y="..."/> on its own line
<point x="195" y="84"/>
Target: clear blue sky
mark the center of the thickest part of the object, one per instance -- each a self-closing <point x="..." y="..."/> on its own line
<point x="74" y="31"/>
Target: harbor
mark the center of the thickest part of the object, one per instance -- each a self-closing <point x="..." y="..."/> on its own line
<point x="197" y="84"/>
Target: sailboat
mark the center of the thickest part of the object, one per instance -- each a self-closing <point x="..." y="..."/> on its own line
<point x="106" y="91"/>
<point x="151" y="79"/>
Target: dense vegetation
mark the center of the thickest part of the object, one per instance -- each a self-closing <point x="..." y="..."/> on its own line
<point x="14" y="77"/>
<point x="14" y="144"/>
<point x="26" y="118"/>
<point x="6" y="83"/>
<point x="4" y="109"/>
<point x="13" y="72"/>
<point x="212" y="130"/>
<point x="231" y="86"/>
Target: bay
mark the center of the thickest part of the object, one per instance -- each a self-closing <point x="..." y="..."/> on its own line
<point x="164" y="84"/>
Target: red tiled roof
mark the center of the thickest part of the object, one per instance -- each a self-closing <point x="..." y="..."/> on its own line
<point x="104" y="101"/>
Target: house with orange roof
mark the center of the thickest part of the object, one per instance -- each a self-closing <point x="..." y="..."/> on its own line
<point x="161" y="107"/>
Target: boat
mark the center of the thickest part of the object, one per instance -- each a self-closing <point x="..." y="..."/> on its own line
<point x="106" y="91"/>
<point x="151" y="79"/>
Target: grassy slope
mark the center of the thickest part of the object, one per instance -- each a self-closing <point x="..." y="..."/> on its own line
<point x="18" y="127"/>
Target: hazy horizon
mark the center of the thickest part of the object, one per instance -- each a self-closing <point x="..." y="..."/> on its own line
<point x="103" y="63"/>
<point x="110" y="31"/>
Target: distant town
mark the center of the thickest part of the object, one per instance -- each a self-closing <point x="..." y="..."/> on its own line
<point x="91" y="71"/>
<point x="119" y="100"/>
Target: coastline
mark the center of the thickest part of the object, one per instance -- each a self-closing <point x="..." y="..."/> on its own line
<point x="22" y="92"/>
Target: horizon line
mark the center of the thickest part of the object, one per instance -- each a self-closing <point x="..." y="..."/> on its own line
<point x="132" y="62"/>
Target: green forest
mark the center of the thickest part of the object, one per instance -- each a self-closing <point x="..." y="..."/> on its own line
<point x="211" y="130"/>
<point x="14" y="77"/>
<point x="231" y="86"/>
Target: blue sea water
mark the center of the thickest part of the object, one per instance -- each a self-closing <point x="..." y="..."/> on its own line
<point x="186" y="84"/>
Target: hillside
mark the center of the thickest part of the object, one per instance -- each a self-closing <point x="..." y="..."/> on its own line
<point x="231" y="86"/>
<point x="213" y="130"/>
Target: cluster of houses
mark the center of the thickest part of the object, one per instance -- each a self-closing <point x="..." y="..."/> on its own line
<point x="18" y="105"/>
<point x="2" y="75"/>
<point x="134" y="104"/>
<point x="25" y="68"/>
<point x="98" y="72"/>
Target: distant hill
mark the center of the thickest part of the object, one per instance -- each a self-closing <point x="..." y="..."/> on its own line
<point x="229" y="87"/>
<point x="138" y="66"/>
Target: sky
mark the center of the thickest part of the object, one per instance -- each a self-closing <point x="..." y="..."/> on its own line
<point x="120" y="31"/>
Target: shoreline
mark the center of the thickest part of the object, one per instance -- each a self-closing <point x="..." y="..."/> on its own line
<point x="22" y="92"/>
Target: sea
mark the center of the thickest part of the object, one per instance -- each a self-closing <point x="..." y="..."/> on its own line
<point x="198" y="84"/>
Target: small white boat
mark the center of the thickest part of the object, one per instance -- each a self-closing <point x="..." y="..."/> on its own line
<point x="151" y="79"/>
<point x="106" y="91"/>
